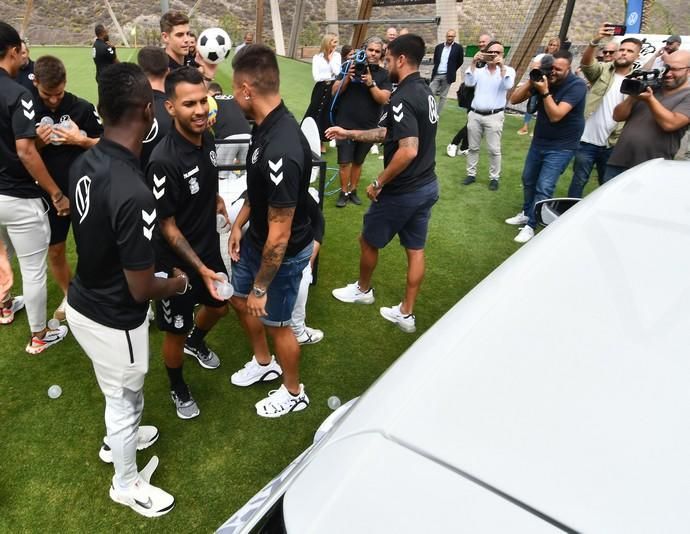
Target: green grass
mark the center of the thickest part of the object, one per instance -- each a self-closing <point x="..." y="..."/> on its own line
<point x="50" y="475"/>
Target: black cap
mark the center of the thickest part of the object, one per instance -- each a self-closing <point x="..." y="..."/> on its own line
<point x="673" y="39"/>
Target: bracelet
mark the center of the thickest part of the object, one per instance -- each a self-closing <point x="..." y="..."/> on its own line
<point x="186" y="284"/>
<point x="545" y="95"/>
<point x="594" y="43"/>
<point x="376" y="185"/>
<point x="60" y="196"/>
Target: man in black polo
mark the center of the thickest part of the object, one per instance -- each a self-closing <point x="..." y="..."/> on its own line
<point x="114" y="219"/>
<point x="359" y="99"/>
<point x="183" y="176"/>
<point x="268" y="265"/>
<point x="405" y="191"/>
<point x="154" y="62"/>
<point x="26" y="71"/>
<point x="23" y="175"/>
<point x="176" y="37"/>
<point x="104" y="53"/>
<point x="67" y="126"/>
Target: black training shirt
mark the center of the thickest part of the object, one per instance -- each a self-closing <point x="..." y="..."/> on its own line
<point x="411" y="113"/>
<point x="356" y="108"/>
<point x="59" y="158"/>
<point x="26" y="77"/>
<point x="230" y="119"/>
<point x="278" y="173"/>
<point x="17" y="121"/>
<point x="184" y="181"/>
<point x="113" y="217"/>
<point x="162" y="124"/>
<point x="103" y="55"/>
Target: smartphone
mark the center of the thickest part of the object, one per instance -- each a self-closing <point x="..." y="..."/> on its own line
<point x="618" y="29"/>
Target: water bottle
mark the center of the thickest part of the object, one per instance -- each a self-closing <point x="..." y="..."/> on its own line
<point x="333" y="402"/>
<point x="53" y="324"/>
<point x="54" y="391"/>
<point x="224" y="288"/>
<point x="221" y="223"/>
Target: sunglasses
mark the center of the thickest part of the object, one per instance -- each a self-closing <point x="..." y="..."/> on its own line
<point x="608" y="52"/>
<point x="674" y="69"/>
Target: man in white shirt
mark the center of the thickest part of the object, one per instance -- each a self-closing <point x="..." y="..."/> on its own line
<point x="248" y="39"/>
<point x="448" y="57"/>
<point x="492" y="80"/>
<point x="601" y="130"/>
<point x="658" y="60"/>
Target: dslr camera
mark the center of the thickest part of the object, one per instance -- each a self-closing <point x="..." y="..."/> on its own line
<point x="544" y="69"/>
<point x="637" y="81"/>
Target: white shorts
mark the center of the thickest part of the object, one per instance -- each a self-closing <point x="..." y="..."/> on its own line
<point x="120" y="357"/>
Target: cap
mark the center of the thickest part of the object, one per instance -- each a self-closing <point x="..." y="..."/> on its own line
<point x="673" y="39"/>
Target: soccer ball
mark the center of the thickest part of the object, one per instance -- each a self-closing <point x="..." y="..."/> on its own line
<point x="214" y="45"/>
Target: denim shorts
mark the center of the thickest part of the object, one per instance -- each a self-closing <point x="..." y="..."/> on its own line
<point x="406" y="214"/>
<point x="282" y="293"/>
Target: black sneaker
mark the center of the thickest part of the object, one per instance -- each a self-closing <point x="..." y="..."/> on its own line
<point x="469" y="180"/>
<point x="493" y="184"/>
<point x="342" y="200"/>
<point x="352" y="197"/>
<point x="205" y="356"/>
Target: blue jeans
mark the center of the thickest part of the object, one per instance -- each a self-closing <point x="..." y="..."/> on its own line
<point x="586" y="157"/>
<point x="543" y="167"/>
<point x="612" y="171"/>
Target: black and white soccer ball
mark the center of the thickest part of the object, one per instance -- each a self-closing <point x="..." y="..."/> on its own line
<point x="214" y="45"/>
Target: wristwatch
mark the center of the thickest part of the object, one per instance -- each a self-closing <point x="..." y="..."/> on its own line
<point x="376" y="185"/>
<point x="258" y="292"/>
<point x="373" y="84"/>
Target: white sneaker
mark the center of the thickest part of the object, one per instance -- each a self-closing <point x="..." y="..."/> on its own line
<point x="406" y="323"/>
<point x="518" y="220"/>
<point x="452" y="150"/>
<point x="147" y="435"/>
<point x="374" y="149"/>
<point x="143" y="498"/>
<point x="464" y="152"/>
<point x="254" y="372"/>
<point x="353" y="295"/>
<point x="7" y="314"/>
<point x="281" y="402"/>
<point x="309" y="336"/>
<point x="526" y="233"/>
<point x="59" y="312"/>
<point x="36" y="346"/>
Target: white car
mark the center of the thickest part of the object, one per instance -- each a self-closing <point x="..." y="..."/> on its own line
<point x="555" y="396"/>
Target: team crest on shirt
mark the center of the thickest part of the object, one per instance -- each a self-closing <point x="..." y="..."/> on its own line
<point x="82" y="197"/>
<point x="193" y="182"/>
<point x="433" y="110"/>
<point x="214" y="160"/>
<point x="31" y="76"/>
<point x="255" y="155"/>
<point x="179" y="322"/>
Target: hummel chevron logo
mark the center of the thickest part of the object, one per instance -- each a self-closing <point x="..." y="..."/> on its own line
<point x="28" y="104"/>
<point x="149" y="219"/>
<point x="276" y="173"/>
<point x="397" y="112"/>
<point x="166" y="311"/>
<point x="28" y="110"/>
<point x="98" y="117"/>
<point x="158" y="186"/>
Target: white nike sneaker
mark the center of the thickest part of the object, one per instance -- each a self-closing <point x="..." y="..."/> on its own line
<point x="143" y="497"/>
<point x="452" y="150"/>
<point x="254" y="372"/>
<point x="353" y="295"/>
<point x="526" y="233"/>
<point x="147" y="435"/>
<point x="518" y="220"/>
<point x="406" y="322"/>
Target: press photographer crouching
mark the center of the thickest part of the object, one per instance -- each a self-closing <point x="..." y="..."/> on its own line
<point x="560" y="123"/>
<point x="358" y="98"/>
<point x="657" y="114"/>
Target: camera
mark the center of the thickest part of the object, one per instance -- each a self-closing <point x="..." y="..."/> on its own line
<point x="637" y="81"/>
<point x="360" y="59"/>
<point x="487" y="57"/>
<point x="536" y="75"/>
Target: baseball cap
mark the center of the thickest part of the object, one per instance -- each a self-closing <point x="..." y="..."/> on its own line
<point x="673" y="39"/>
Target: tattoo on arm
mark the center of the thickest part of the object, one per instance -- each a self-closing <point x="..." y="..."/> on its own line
<point x="412" y="142"/>
<point x="274" y="249"/>
<point x="377" y="135"/>
<point x="179" y="243"/>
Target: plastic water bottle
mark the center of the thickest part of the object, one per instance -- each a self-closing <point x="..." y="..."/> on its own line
<point x="224" y="288"/>
<point x="333" y="402"/>
<point x="221" y="223"/>
<point x="53" y="324"/>
<point x="54" y="391"/>
<point x="53" y="137"/>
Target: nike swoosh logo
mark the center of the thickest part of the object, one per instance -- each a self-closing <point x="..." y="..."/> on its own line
<point x="148" y="504"/>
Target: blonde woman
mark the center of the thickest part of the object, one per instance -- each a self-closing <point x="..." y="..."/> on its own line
<point x="325" y="67"/>
<point x="553" y="46"/>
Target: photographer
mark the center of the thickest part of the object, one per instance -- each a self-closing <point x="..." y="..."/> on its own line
<point x="560" y="123"/>
<point x="601" y="130"/>
<point x="359" y="95"/>
<point x="492" y="80"/>
<point x="656" y="119"/>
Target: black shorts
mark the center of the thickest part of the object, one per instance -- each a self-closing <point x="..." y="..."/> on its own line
<point x="352" y="151"/>
<point x="176" y="314"/>
<point x="59" y="226"/>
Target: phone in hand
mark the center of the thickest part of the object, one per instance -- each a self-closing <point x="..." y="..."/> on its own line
<point x="618" y="29"/>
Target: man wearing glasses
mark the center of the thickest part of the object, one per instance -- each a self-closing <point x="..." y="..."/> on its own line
<point x="656" y="121"/>
<point x="601" y="130"/>
<point x="608" y="52"/>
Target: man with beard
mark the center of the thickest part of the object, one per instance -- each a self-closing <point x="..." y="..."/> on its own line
<point x="26" y="71"/>
<point x="405" y="191"/>
<point x="183" y="176"/>
<point x="601" y="130"/>
<point x="176" y="37"/>
<point x="656" y="120"/>
<point x="560" y="123"/>
<point x="104" y="53"/>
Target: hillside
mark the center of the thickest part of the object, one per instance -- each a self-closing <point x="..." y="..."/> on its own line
<point x="72" y="21"/>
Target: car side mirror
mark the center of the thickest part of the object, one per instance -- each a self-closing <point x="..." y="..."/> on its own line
<point x="547" y="211"/>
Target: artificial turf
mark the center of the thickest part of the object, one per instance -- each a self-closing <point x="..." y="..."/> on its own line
<point x="50" y="476"/>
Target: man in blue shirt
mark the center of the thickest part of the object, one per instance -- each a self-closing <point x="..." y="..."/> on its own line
<point x="560" y="123"/>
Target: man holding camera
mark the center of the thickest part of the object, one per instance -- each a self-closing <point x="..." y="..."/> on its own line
<point x="359" y="96"/>
<point x="657" y="118"/>
<point x="601" y="130"/>
<point x="448" y="58"/>
<point x="492" y="80"/>
<point x="560" y="123"/>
